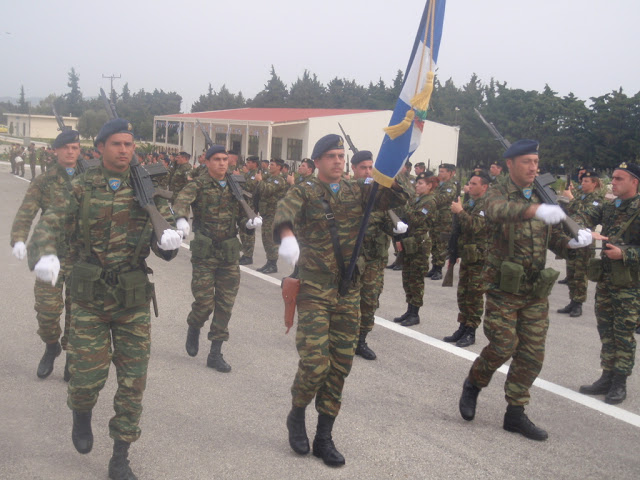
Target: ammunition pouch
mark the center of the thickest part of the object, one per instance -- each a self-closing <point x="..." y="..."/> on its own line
<point x="594" y="270"/>
<point x="543" y="285"/>
<point x="133" y="289"/>
<point x="375" y="247"/>
<point x="201" y="246"/>
<point x="622" y="275"/>
<point x="229" y="250"/>
<point x="511" y="276"/>
<point x="409" y="245"/>
<point x="85" y="281"/>
<point x="470" y="253"/>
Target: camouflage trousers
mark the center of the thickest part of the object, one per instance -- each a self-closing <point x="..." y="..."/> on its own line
<point x="48" y="306"/>
<point x="326" y="338"/>
<point x="617" y="314"/>
<point x="248" y="241"/>
<point x="471" y="289"/>
<point x="516" y="327"/>
<point x="270" y="248"/>
<point x="100" y="336"/>
<point x="577" y="274"/>
<point x="439" y="246"/>
<point x="372" y="281"/>
<point x="413" y="271"/>
<point x="214" y="284"/>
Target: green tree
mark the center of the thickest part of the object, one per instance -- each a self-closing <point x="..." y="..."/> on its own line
<point x="274" y="94"/>
<point x="23" y="106"/>
<point x="74" y="104"/>
<point x="307" y="92"/>
<point x="91" y="121"/>
<point x="343" y="93"/>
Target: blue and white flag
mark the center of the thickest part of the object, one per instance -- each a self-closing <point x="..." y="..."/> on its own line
<point x="407" y="120"/>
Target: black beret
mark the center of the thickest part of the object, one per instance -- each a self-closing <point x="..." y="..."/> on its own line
<point x="68" y="136"/>
<point x="478" y="167"/>
<point x="326" y="143"/>
<point x="521" y="147"/>
<point x="113" y="126"/>
<point x="361" y="156"/>
<point x="483" y="175"/>
<point x="213" y="149"/>
<point x="448" y="166"/>
<point x="277" y="161"/>
<point x="420" y="164"/>
<point x="630" y="168"/>
<point x="253" y="158"/>
<point x="497" y="163"/>
<point x="424" y="175"/>
<point x="590" y="173"/>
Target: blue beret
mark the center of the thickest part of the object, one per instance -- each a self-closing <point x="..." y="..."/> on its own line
<point x="630" y="168"/>
<point x="326" y="143"/>
<point x="68" y="136"/>
<point x="521" y="147"/>
<point x="113" y="126"/>
<point x="361" y="156"/>
<point x="213" y="149"/>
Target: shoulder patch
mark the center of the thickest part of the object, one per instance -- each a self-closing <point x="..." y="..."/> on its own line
<point x="595" y="203"/>
<point x="481" y="213"/>
<point x="368" y="180"/>
<point x="424" y="211"/>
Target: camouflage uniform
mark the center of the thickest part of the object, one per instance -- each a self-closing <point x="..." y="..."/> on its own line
<point x="120" y="238"/>
<point x="216" y="275"/>
<point x="515" y="323"/>
<point x="328" y="323"/>
<point x="446" y="193"/>
<point x="49" y="299"/>
<point x="270" y="190"/>
<point x="473" y="244"/>
<point x="32" y="161"/>
<point x="618" y="305"/>
<point x="178" y="179"/>
<point x="42" y="158"/>
<point x="248" y="237"/>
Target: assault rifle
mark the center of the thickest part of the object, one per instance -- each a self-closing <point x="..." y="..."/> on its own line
<point x="540" y="184"/>
<point x="452" y="247"/>
<point x="352" y="147"/>
<point x="231" y="179"/>
<point x="82" y="165"/>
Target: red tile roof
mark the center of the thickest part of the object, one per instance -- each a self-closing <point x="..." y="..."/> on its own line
<point x="276" y="115"/>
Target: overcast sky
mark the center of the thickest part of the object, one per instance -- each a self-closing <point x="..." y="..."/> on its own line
<point x="586" y="47"/>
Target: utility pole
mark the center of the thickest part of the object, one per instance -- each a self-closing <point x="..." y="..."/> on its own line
<point x="111" y="77"/>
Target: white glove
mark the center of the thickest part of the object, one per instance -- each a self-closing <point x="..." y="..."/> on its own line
<point x="584" y="239"/>
<point x="171" y="240"/>
<point x="183" y="225"/>
<point x="400" y="228"/>
<point x="289" y="249"/>
<point x="550" y="214"/>
<point x="19" y="250"/>
<point x="254" y="222"/>
<point x="47" y="269"/>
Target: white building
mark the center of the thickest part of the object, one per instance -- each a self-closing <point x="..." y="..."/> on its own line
<point x="36" y="126"/>
<point x="290" y="133"/>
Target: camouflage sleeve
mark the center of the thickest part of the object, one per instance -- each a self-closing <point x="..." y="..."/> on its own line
<point x="31" y="204"/>
<point x="500" y="209"/>
<point x="472" y="222"/>
<point x="289" y="211"/>
<point x="185" y="198"/>
<point x="386" y="198"/>
<point x="590" y="215"/>
<point x="558" y="241"/>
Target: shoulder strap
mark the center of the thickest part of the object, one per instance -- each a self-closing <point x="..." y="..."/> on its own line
<point x="626" y="225"/>
<point x="86" y="205"/>
<point x="333" y="231"/>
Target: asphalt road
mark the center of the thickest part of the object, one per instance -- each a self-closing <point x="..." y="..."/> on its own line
<point x="400" y="413"/>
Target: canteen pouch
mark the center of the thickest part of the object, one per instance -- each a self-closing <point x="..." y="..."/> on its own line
<point x="511" y="276"/>
<point x="230" y="250"/>
<point x="84" y="281"/>
<point x="620" y="274"/>
<point x="409" y="245"/>
<point x="594" y="270"/>
<point x="200" y="246"/>
<point x="544" y="283"/>
<point x="134" y="289"/>
<point x="470" y="253"/>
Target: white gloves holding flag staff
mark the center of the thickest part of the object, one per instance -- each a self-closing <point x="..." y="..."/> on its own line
<point x="19" y="250"/>
<point x="47" y="269"/>
<point x="171" y="240"/>
<point x="550" y="214"/>
<point x="584" y="239"/>
<point x="253" y="223"/>
<point x="289" y="250"/>
<point x="400" y="228"/>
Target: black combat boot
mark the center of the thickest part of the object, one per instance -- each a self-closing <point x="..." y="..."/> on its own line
<point x="363" y="349"/>
<point x="457" y="335"/>
<point x="437" y="273"/>
<point x="45" y="367"/>
<point x="600" y="386"/>
<point x="244" y="260"/>
<point x="618" y="391"/>
<point x="297" y="431"/>
<point x="81" y="434"/>
<point x="215" y="359"/>
<point x="515" y="420"/>
<point x="413" y="318"/>
<point x="119" y="468"/>
<point x="564" y="281"/>
<point x="431" y="272"/>
<point x="193" y="341"/>
<point x="391" y="265"/>
<point x="469" y="338"/>
<point x="404" y="316"/>
<point x="567" y="309"/>
<point x="397" y="267"/>
<point x="468" y="400"/>
<point x="67" y="373"/>
<point x="576" y="311"/>
<point x="269" y="267"/>
<point x="323" y="446"/>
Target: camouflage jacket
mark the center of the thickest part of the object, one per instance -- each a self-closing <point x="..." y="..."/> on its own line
<point x="115" y="222"/>
<point x="216" y="212"/>
<point x="251" y="184"/>
<point x="197" y="171"/>
<point x="302" y="210"/>
<point x="40" y="195"/>
<point x="505" y="208"/>
<point x="446" y="193"/>
<point x="179" y="179"/>
<point x="421" y="214"/>
<point x="474" y="228"/>
<point x="584" y="204"/>
<point x="377" y="239"/>
<point x="271" y="190"/>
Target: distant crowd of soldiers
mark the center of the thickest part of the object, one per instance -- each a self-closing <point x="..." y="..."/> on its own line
<point x="94" y="236"/>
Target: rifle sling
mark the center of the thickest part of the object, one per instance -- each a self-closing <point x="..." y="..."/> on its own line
<point x="333" y="231"/>
<point x="626" y="225"/>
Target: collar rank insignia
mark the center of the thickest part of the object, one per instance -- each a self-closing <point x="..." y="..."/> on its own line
<point x="114" y="183"/>
<point x="618" y="202"/>
<point x="335" y="187"/>
<point x="223" y="183"/>
<point x="527" y="193"/>
<point x="70" y="171"/>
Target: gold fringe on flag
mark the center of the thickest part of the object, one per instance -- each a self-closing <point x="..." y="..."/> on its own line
<point x="394" y="131"/>
<point x="421" y="100"/>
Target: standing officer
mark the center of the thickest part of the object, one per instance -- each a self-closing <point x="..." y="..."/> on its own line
<point x="180" y="175"/>
<point x="110" y="289"/>
<point x="420" y="167"/>
<point x="516" y="318"/>
<point x="248" y="236"/>
<point x="446" y="193"/>
<point x="304" y="173"/>
<point x="32" y="160"/>
<point x="617" y="290"/>
<point x="473" y="246"/>
<point x="495" y="172"/>
<point x="270" y="190"/>
<point x="215" y="250"/>
<point x="49" y="298"/>
<point x="325" y="215"/>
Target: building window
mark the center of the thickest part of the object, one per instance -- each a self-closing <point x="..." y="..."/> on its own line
<point x="235" y="142"/>
<point x="294" y="149"/>
<point x="221" y="139"/>
<point x="276" y="147"/>
<point x="254" y="144"/>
